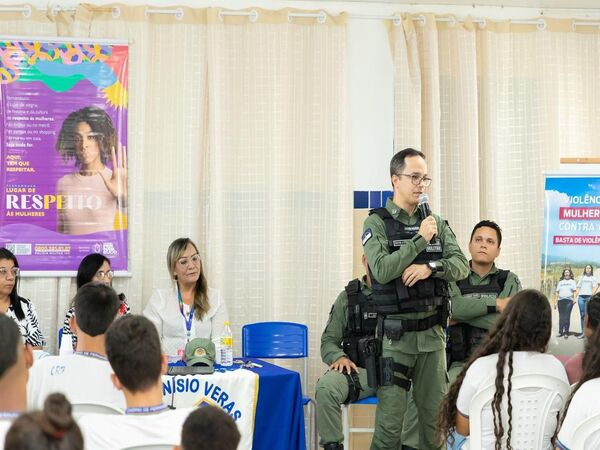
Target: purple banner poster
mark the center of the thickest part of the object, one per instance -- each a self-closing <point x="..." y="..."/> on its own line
<point x="63" y="121"/>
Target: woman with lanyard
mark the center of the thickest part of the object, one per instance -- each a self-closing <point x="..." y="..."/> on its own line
<point x="188" y="310"/>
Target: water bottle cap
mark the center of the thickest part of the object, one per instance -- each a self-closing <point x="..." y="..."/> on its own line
<point x="226" y="322"/>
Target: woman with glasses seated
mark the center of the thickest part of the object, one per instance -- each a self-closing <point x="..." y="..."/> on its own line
<point x="189" y="309"/>
<point x="92" y="268"/>
<point x="18" y="308"/>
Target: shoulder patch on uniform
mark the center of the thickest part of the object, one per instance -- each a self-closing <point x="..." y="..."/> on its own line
<point x="368" y="234"/>
<point x="450" y="228"/>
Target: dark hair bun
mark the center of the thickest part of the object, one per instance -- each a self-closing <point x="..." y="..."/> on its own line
<point x="57" y="412"/>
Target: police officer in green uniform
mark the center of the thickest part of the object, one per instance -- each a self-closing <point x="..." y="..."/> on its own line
<point x="352" y="318"/>
<point x="476" y="303"/>
<point x="411" y="255"/>
<point x="478" y="300"/>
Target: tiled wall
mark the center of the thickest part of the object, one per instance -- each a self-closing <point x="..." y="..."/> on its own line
<point x="370" y="199"/>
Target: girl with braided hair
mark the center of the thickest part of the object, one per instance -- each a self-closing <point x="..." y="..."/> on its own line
<point x="583" y="402"/>
<point x="515" y="346"/>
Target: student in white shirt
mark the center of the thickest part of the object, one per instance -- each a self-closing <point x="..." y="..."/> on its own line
<point x="584" y="396"/>
<point x="190" y="309"/>
<point x="515" y="346"/>
<point x="84" y="376"/>
<point x="134" y="352"/>
<point x="15" y="359"/>
<point x="209" y="428"/>
<point x="53" y="428"/>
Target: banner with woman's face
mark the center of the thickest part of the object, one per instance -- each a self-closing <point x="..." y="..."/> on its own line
<point x="63" y="121"/>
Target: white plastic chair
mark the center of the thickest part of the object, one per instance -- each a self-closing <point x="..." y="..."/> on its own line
<point x="587" y="434"/>
<point x="531" y="398"/>
<point x="346" y="422"/>
<point x="81" y="409"/>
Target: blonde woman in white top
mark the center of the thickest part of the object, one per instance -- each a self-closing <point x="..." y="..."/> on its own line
<point x="190" y="308"/>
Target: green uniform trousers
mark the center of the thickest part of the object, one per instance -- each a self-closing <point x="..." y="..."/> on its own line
<point x="331" y="391"/>
<point x="454" y="370"/>
<point x="410" y="428"/>
<point x="430" y="384"/>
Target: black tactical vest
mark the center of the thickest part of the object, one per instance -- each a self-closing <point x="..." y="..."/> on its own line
<point x="395" y="297"/>
<point x="361" y="321"/>
<point x="496" y="285"/>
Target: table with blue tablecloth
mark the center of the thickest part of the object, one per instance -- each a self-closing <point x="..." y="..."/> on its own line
<point x="278" y="408"/>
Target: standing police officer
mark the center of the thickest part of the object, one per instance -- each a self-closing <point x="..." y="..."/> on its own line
<point x="411" y="257"/>
<point x="351" y="319"/>
<point x="478" y="299"/>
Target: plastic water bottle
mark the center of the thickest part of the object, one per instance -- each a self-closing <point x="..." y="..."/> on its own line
<point x="226" y="346"/>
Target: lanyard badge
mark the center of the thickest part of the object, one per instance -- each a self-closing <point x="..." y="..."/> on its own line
<point x="187" y="320"/>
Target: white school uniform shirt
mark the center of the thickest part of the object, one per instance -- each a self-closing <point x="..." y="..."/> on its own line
<point x="115" y="432"/>
<point x="584" y="405"/>
<point x="4" y="426"/>
<point x="483" y="373"/>
<point x="82" y="379"/>
<point x="163" y="311"/>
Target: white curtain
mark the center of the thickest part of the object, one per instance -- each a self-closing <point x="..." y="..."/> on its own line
<point x="280" y="222"/>
<point x="237" y="139"/>
<point x="512" y="100"/>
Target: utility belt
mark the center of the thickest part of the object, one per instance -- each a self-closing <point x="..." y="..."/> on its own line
<point x="394" y="329"/>
<point x="425" y="296"/>
<point x="463" y="339"/>
<point x="381" y="371"/>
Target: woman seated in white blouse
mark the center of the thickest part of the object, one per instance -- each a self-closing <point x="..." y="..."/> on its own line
<point x="190" y="308"/>
<point x="18" y="308"/>
<point x="515" y="346"/>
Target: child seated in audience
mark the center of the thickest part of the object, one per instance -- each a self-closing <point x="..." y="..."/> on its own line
<point x="53" y="428"/>
<point x="134" y="352"/>
<point x="209" y="428"/>
<point x="574" y="365"/>
<point x="583" y="402"/>
<point x="93" y="268"/>
<point x="516" y="346"/>
<point x="15" y="359"/>
<point x="84" y="376"/>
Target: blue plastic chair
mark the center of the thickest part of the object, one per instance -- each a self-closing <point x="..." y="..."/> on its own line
<point x="347" y="429"/>
<point x="281" y="340"/>
<point x="60" y="333"/>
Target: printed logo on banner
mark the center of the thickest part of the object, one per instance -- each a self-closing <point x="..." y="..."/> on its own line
<point x="19" y="248"/>
<point x="109" y="249"/>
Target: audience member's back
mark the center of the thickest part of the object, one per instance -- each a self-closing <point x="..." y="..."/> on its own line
<point x="83" y="377"/>
<point x="134" y="352"/>
<point x="209" y="428"/>
<point x="15" y="359"/>
<point x="53" y="428"/>
<point x="516" y="346"/>
<point x="591" y="322"/>
<point x="584" y="403"/>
